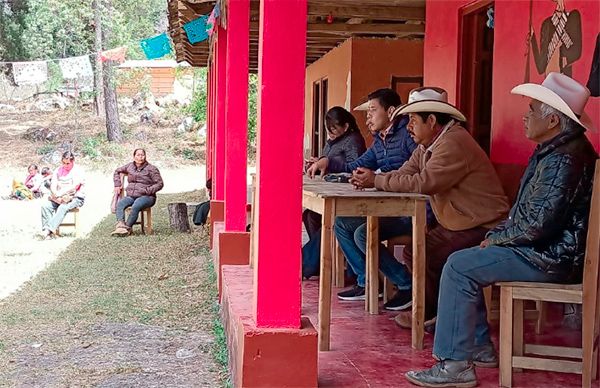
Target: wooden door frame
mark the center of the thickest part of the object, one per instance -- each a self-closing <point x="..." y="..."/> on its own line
<point x="462" y="13"/>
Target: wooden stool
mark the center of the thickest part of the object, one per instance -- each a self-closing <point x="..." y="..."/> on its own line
<point x="74" y="223"/>
<point x="144" y="219"/>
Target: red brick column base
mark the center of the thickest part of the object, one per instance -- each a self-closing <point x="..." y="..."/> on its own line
<point x="264" y="357"/>
<point x="233" y="249"/>
<point x="217" y="214"/>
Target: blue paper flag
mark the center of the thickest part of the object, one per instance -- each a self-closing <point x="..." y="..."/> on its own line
<point x="196" y="29"/>
<point x="157" y="46"/>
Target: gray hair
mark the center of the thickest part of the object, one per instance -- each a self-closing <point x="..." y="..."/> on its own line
<point x="566" y="123"/>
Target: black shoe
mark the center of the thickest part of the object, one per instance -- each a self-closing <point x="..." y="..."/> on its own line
<point x="402" y="300"/>
<point x="355" y="293"/>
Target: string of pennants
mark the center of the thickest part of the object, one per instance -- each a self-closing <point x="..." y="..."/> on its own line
<point x="80" y="67"/>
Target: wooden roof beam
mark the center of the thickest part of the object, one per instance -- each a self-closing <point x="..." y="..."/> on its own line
<point x="373" y="28"/>
<point x="367" y="12"/>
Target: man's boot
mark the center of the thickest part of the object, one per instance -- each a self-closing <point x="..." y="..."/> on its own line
<point x="447" y="373"/>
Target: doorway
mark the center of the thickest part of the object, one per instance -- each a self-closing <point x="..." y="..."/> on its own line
<point x="319" y="110"/>
<point x="476" y="64"/>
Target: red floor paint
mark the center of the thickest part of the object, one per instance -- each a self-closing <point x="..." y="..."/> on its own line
<point x="371" y="351"/>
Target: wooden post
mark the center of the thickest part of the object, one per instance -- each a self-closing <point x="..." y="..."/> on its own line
<point x="372" y="278"/>
<point x="221" y="98"/>
<point x="277" y="288"/>
<point x="236" y="135"/>
<point x="418" y="269"/>
<point x="325" y="276"/>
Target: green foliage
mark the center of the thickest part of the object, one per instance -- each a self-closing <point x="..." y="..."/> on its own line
<point x="55" y="80"/>
<point x="90" y="147"/>
<point x="46" y="29"/>
<point x="11" y="22"/>
<point x="197" y="108"/>
<point x="252" y="106"/>
<point x="45" y="149"/>
<point x="189" y="154"/>
<point x="57" y="29"/>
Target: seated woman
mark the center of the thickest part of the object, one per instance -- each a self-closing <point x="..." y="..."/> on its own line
<point x="143" y="182"/>
<point x="66" y="193"/>
<point x="30" y="187"/>
<point x="346" y="142"/>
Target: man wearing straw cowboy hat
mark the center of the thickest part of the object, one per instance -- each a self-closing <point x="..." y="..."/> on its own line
<point x="466" y="195"/>
<point x="543" y="239"/>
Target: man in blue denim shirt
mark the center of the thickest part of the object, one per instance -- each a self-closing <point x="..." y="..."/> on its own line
<point x="392" y="147"/>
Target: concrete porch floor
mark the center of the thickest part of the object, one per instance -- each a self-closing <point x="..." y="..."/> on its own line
<point x="371" y="351"/>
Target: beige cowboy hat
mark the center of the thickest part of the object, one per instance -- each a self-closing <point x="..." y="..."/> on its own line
<point x="562" y="93"/>
<point x="429" y="99"/>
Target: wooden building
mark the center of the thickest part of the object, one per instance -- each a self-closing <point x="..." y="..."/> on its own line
<point x="156" y="75"/>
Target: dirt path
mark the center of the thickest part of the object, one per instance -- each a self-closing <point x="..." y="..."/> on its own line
<point x="22" y="256"/>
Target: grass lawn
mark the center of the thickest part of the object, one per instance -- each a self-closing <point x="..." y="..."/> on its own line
<point x="135" y="311"/>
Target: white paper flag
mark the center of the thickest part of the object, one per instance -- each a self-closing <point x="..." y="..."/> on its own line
<point x="76" y="67"/>
<point x="30" y="73"/>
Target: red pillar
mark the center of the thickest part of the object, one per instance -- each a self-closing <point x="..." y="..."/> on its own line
<point x="213" y="110"/>
<point x="277" y="289"/>
<point x="236" y="136"/>
<point x="220" y="85"/>
<point x="209" y="121"/>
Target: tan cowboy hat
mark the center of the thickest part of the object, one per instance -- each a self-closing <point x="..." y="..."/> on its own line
<point x="562" y="93"/>
<point x="429" y="99"/>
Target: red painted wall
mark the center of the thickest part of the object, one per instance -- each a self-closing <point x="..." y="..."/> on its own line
<point x="510" y="148"/>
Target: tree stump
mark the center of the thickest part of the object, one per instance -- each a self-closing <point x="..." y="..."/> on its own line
<point x="178" y="216"/>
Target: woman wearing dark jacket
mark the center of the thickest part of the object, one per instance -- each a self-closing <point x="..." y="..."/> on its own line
<point x="344" y="142"/>
<point x="143" y="182"/>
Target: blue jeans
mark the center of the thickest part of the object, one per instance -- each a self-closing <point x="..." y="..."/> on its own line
<point x="137" y="205"/>
<point x="311" y="256"/>
<point x="461" y="317"/>
<point x="352" y="235"/>
<point x="53" y="213"/>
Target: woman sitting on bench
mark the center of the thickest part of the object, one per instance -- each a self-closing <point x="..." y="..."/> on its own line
<point x="143" y="182"/>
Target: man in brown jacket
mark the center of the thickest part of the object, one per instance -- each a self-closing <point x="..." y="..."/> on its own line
<point x="466" y="195"/>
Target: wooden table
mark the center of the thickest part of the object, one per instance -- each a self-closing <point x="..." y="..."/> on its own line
<point x="341" y="199"/>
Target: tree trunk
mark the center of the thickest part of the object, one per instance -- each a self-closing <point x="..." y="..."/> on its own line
<point x="98" y="73"/>
<point x="113" y="126"/>
<point x="178" y="216"/>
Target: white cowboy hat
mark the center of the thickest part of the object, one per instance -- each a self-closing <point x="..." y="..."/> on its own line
<point x="362" y="107"/>
<point x="562" y="93"/>
<point x="429" y="99"/>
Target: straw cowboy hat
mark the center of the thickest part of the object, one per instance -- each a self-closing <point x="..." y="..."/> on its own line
<point x="562" y="93"/>
<point x="429" y="99"/>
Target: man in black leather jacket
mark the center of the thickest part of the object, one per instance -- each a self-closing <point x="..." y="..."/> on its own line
<point x="543" y="239"/>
